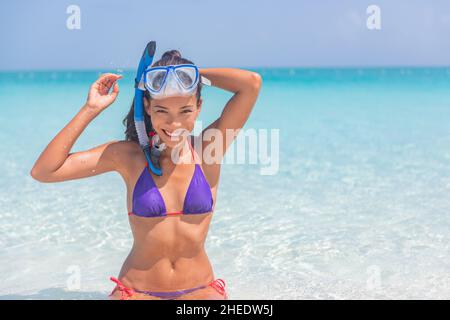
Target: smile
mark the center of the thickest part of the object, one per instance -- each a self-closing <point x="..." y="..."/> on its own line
<point x="171" y="134"/>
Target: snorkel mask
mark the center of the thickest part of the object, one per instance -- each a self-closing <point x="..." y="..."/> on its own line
<point x="160" y="82"/>
<point x="172" y="80"/>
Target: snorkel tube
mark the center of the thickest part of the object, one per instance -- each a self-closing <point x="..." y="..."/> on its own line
<point x="152" y="153"/>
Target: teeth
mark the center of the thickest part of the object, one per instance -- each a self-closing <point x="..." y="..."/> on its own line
<point x="172" y="134"/>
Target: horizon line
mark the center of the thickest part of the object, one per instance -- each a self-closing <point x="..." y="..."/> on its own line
<point x="259" y="67"/>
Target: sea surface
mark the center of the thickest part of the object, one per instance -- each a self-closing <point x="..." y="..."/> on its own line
<point x="358" y="207"/>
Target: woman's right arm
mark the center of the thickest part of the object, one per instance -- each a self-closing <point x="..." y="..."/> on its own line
<point x="56" y="163"/>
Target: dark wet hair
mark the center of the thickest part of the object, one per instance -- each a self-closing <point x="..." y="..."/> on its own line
<point x="171" y="57"/>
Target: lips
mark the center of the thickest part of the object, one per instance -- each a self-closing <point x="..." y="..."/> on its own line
<point x="172" y="134"/>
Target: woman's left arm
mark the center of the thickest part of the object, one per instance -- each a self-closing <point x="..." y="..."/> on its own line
<point x="246" y="86"/>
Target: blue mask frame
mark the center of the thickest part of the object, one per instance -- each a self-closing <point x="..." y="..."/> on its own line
<point x="180" y="87"/>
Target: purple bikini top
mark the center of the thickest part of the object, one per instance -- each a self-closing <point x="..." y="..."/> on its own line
<point x="148" y="201"/>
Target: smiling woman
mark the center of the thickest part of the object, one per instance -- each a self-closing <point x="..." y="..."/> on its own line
<point x="169" y="214"/>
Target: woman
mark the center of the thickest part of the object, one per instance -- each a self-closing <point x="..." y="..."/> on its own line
<point x="169" y="214"/>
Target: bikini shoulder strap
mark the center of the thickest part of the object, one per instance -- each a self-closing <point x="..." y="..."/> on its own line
<point x="192" y="149"/>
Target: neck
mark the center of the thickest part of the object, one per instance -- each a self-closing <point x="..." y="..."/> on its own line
<point x="181" y="150"/>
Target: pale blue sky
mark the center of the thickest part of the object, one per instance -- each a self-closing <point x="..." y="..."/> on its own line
<point x="234" y="33"/>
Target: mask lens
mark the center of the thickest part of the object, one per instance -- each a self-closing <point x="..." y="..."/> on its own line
<point x="187" y="76"/>
<point x="155" y="79"/>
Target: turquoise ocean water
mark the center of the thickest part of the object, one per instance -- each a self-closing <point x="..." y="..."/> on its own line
<point x="359" y="207"/>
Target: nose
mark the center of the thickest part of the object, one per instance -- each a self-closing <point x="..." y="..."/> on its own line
<point x="172" y="121"/>
<point x="173" y="125"/>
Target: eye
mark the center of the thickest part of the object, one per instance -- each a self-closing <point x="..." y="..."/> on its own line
<point x="162" y="111"/>
<point x="186" y="111"/>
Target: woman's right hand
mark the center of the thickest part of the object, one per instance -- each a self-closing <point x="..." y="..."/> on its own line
<point x="99" y="97"/>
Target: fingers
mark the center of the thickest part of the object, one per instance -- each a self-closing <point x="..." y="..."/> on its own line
<point x="109" y="76"/>
<point x="115" y="90"/>
<point x="106" y="81"/>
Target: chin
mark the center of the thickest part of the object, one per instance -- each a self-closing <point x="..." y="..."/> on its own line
<point x="171" y="144"/>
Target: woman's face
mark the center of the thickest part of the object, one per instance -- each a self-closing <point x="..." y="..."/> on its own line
<point x="173" y="118"/>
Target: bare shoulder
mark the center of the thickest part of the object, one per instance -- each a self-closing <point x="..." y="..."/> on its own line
<point x="127" y="147"/>
<point x="124" y="153"/>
